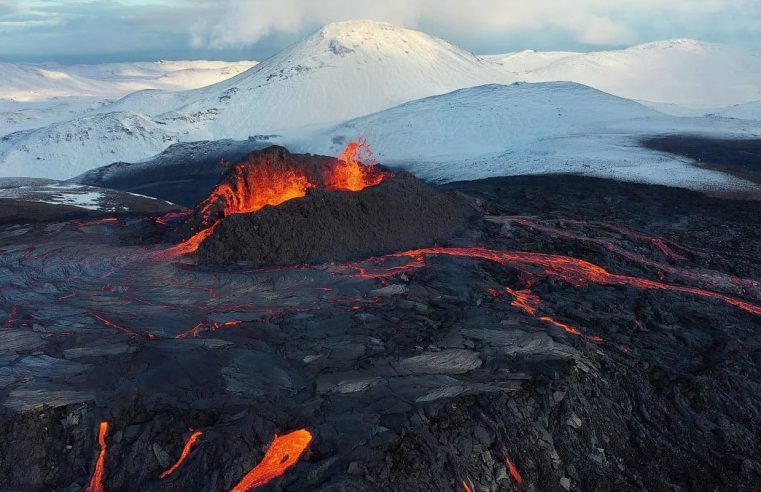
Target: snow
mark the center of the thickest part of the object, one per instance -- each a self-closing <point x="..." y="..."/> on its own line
<point x="33" y="95"/>
<point x="394" y="86"/>
<point x="555" y="127"/>
<point x="56" y="193"/>
<point x="681" y="71"/>
<point x="747" y="111"/>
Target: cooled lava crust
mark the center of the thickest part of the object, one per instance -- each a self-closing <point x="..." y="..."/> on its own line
<point x="331" y="222"/>
<point x="400" y="213"/>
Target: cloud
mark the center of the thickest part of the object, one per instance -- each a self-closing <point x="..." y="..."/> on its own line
<point x="229" y="23"/>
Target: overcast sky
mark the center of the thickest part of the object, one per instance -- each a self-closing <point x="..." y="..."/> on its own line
<point x="91" y="31"/>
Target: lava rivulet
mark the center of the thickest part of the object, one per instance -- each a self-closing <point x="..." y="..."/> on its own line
<point x="284" y="452"/>
<point x="96" y="482"/>
<point x="514" y="472"/>
<point x="184" y="455"/>
<point x="574" y="271"/>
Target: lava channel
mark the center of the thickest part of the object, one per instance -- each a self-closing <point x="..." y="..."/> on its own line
<point x="184" y="455"/>
<point x="284" y="452"/>
<point x="573" y="271"/>
<point x="96" y="482"/>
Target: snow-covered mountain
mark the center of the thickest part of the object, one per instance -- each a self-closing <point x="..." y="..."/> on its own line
<point x="349" y="70"/>
<point x="747" y="111"/>
<point x="41" y="82"/>
<point x="521" y="62"/>
<point x="524" y="128"/>
<point x="682" y="72"/>
<point x="32" y="96"/>
<point x="344" y="70"/>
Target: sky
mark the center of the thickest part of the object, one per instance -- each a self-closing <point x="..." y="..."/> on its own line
<point x="94" y="31"/>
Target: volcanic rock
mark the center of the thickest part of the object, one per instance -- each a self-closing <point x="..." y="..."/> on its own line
<point x="400" y="213"/>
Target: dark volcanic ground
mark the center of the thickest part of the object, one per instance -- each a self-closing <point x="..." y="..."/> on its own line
<point x="503" y="362"/>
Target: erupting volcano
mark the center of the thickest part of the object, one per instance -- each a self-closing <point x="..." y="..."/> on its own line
<point x="275" y="177"/>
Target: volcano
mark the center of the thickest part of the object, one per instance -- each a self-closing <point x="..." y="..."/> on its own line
<point x="274" y="208"/>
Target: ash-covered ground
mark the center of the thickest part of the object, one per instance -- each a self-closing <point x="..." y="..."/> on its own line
<point x="582" y="334"/>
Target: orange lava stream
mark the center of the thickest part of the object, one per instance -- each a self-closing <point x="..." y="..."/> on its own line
<point x="574" y="271"/>
<point x="514" y="472"/>
<point x="284" y="452"/>
<point x="524" y="299"/>
<point x="96" y="482"/>
<point x="562" y="326"/>
<point x="185" y="452"/>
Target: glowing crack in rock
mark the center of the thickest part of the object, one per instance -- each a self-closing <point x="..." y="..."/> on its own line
<point x="284" y="452"/>
<point x="514" y="472"/>
<point x="192" y="440"/>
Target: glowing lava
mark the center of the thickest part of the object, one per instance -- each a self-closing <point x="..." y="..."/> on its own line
<point x="524" y="299"/>
<point x="96" y="482"/>
<point x="251" y="188"/>
<point x="573" y="271"/>
<point x="184" y="455"/>
<point x="350" y="174"/>
<point x="562" y="326"/>
<point x="514" y="472"/>
<point x="284" y="452"/>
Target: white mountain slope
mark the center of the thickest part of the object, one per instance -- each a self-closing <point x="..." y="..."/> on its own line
<point x="32" y="96"/>
<point x="747" y="111"/>
<point x="345" y="70"/>
<point x="41" y="82"/>
<point x="682" y="72"/>
<point x="498" y="130"/>
<point x="64" y="149"/>
<point x="521" y="62"/>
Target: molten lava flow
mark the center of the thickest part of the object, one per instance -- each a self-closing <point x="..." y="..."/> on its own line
<point x="524" y="299"/>
<point x="253" y="188"/>
<point x="284" y="452"/>
<point x="350" y="174"/>
<point x="185" y="452"/>
<point x="562" y="326"/>
<point x="96" y="482"/>
<point x="514" y="472"/>
<point x="571" y="270"/>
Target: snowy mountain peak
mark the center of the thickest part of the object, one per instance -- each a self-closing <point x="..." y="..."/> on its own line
<point x="381" y="39"/>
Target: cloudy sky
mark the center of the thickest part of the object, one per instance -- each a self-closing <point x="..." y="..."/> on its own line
<point x="89" y="31"/>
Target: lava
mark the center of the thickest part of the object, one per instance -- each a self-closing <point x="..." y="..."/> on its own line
<point x="252" y="188"/>
<point x="96" y="482"/>
<point x="350" y="174"/>
<point x="514" y="472"/>
<point x="573" y="271"/>
<point x="191" y="441"/>
<point x="562" y="326"/>
<point x="525" y="300"/>
<point x="284" y="452"/>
